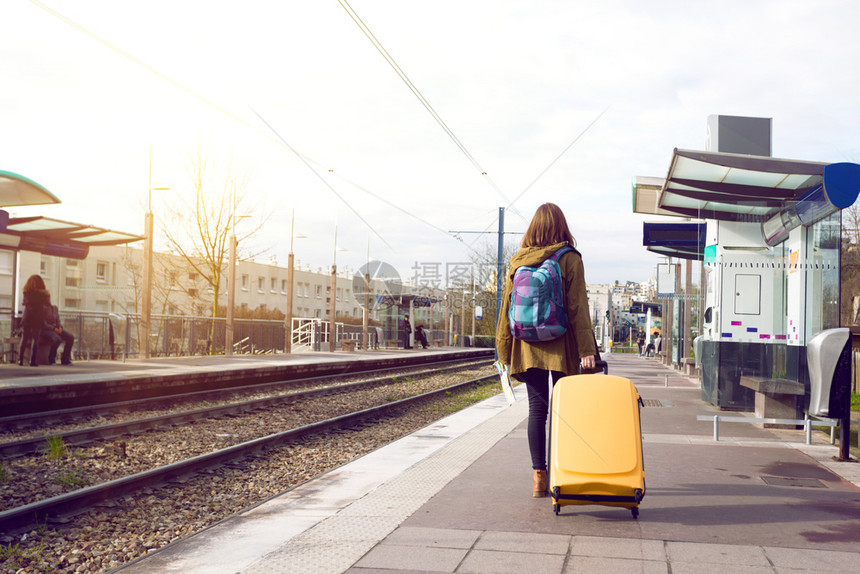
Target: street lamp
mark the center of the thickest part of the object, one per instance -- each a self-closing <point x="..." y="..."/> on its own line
<point x="231" y="288"/>
<point x="333" y="306"/>
<point x="146" y="296"/>
<point x="288" y="320"/>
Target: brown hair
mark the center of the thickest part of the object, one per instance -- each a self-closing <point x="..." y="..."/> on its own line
<point x="548" y="227"/>
<point x="34" y="283"/>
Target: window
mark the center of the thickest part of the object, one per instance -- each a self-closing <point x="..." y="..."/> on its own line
<point x="43" y="267"/>
<point x="273" y="284"/>
<point x="72" y="263"/>
<point x="192" y="293"/>
<point x="72" y="303"/>
<point x="245" y="282"/>
<point x="318" y="292"/>
<point x="261" y="284"/>
<point x="73" y="281"/>
<point x="192" y="276"/>
<point x="101" y="272"/>
<point x="283" y="285"/>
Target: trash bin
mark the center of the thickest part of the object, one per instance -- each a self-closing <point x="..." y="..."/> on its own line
<point x="699" y="349"/>
<point x="828" y="357"/>
<point x="117" y="328"/>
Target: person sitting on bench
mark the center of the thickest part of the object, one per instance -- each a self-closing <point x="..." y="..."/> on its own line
<point x="62" y="336"/>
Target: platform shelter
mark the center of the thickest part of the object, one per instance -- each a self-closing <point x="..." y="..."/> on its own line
<point x="770" y="260"/>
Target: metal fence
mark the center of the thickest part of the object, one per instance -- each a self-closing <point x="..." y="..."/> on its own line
<point x="117" y="336"/>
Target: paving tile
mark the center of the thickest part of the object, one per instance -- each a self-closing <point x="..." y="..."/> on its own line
<point x="724" y="554"/>
<point x="391" y="556"/>
<point x="527" y="542"/>
<point x="494" y="562"/>
<point x="820" y="560"/>
<point x="595" y="565"/>
<point x="693" y="568"/>
<point x="635" y="549"/>
<point x="432" y="537"/>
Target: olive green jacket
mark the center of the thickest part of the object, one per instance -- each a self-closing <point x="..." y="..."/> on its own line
<point x="560" y="354"/>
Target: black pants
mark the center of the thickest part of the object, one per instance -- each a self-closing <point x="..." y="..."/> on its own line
<point x="538" y="388"/>
<point x="68" y="339"/>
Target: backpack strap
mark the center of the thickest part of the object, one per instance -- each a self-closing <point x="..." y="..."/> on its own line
<point x="561" y="251"/>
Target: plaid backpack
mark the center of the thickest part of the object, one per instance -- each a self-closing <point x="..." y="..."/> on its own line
<point x="537" y="312"/>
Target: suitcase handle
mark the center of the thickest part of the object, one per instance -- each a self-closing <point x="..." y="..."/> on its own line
<point x="598" y="364"/>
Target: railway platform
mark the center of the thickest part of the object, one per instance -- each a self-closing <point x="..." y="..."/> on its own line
<point x="456" y="497"/>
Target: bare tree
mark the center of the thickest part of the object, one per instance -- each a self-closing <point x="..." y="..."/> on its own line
<point x="199" y="227"/>
<point x="485" y="262"/>
<point x="851" y="223"/>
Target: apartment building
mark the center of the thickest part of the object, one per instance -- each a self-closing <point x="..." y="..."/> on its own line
<point x="109" y="281"/>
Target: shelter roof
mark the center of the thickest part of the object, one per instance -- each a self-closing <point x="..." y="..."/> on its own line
<point x="17" y="190"/>
<point x="733" y="187"/>
<point x="65" y="231"/>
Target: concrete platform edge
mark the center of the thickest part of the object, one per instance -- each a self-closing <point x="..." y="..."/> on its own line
<point x="349" y="509"/>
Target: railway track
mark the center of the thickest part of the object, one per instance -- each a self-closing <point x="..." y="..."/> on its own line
<point x="57" y="507"/>
<point x="57" y="417"/>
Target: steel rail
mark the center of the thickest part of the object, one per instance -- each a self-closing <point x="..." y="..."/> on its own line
<point x="32" y="419"/>
<point x="78" y="437"/>
<point x="22" y="517"/>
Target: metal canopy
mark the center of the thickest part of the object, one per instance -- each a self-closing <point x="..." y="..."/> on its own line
<point x="57" y="230"/>
<point x="17" y="190"/>
<point x="62" y="238"/>
<point x="734" y="187"/>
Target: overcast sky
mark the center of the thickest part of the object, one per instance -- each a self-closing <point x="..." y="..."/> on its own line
<point x="516" y="82"/>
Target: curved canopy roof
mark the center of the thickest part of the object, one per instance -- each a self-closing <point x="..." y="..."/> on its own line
<point x="17" y="190"/>
<point x="734" y="187"/>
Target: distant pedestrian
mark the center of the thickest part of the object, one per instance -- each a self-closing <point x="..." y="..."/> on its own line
<point x="640" y="341"/>
<point x="407" y="331"/>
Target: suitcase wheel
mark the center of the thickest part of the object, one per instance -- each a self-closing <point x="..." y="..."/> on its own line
<point x="635" y="511"/>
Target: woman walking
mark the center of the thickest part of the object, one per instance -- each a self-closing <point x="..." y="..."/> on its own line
<point x="533" y="362"/>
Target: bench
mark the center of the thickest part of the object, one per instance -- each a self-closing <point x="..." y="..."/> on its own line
<point x="348" y="346"/>
<point x="10" y="349"/>
<point x="774" y="399"/>
<point x="176" y="345"/>
<point x="24" y="352"/>
<point x="689" y="366"/>
<point x="393" y="343"/>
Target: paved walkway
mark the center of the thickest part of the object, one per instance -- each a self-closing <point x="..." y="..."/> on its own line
<point x="456" y="497"/>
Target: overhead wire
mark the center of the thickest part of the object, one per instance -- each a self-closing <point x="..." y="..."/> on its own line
<point x="424" y="102"/>
<point x="321" y="178"/>
<point x="305" y="159"/>
<point x="546" y="169"/>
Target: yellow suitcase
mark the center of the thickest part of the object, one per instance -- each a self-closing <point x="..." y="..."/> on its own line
<point x="595" y="443"/>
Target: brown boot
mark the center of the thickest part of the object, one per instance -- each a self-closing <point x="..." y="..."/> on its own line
<point x="540" y="484"/>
